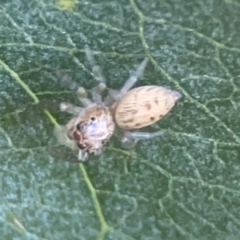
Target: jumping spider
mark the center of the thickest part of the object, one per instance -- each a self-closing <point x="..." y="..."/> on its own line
<point x="94" y="123"/>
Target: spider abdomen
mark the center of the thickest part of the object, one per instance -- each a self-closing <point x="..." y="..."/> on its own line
<point x="142" y="106"/>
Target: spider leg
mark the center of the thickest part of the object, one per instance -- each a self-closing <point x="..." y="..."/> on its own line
<point x="116" y="95"/>
<point x="70" y="108"/>
<point x="97" y="71"/>
<point x="136" y="135"/>
<point x="132" y="79"/>
<point x="60" y="133"/>
<point x="98" y="152"/>
<point x="81" y="92"/>
<point x="82" y="155"/>
<point x="67" y="81"/>
<point x="82" y="96"/>
<point x="97" y="74"/>
<point x="97" y="92"/>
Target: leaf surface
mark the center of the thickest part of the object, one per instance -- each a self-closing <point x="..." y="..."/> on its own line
<point x="184" y="185"/>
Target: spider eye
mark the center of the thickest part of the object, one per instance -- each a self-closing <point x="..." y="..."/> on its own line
<point x="93" y="118"/>
<point x="79" y="126"/>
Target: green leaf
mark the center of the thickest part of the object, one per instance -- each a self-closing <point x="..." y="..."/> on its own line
<point x="184" y="185"/>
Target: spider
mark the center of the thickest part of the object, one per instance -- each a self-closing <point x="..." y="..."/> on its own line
<point x="127" y="110"/>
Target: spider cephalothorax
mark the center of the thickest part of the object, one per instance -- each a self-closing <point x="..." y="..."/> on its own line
<point x="92" y="128"/>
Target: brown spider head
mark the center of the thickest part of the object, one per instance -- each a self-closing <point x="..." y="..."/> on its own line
<point x="92" y="129"/>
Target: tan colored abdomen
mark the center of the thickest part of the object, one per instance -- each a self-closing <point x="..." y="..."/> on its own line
<point x="143" y="106"/>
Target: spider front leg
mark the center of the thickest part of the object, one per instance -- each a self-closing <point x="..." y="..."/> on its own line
<point x="97" y="71"/>
<point x="67" y="81"/>
<point x="97" y="92"/>
<point x="97" y="74"/>
<point x="82" y="155"/>
<point x="82" y="96"/>
<point x="70" y="108"/>
<point x="61" y="134"/>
